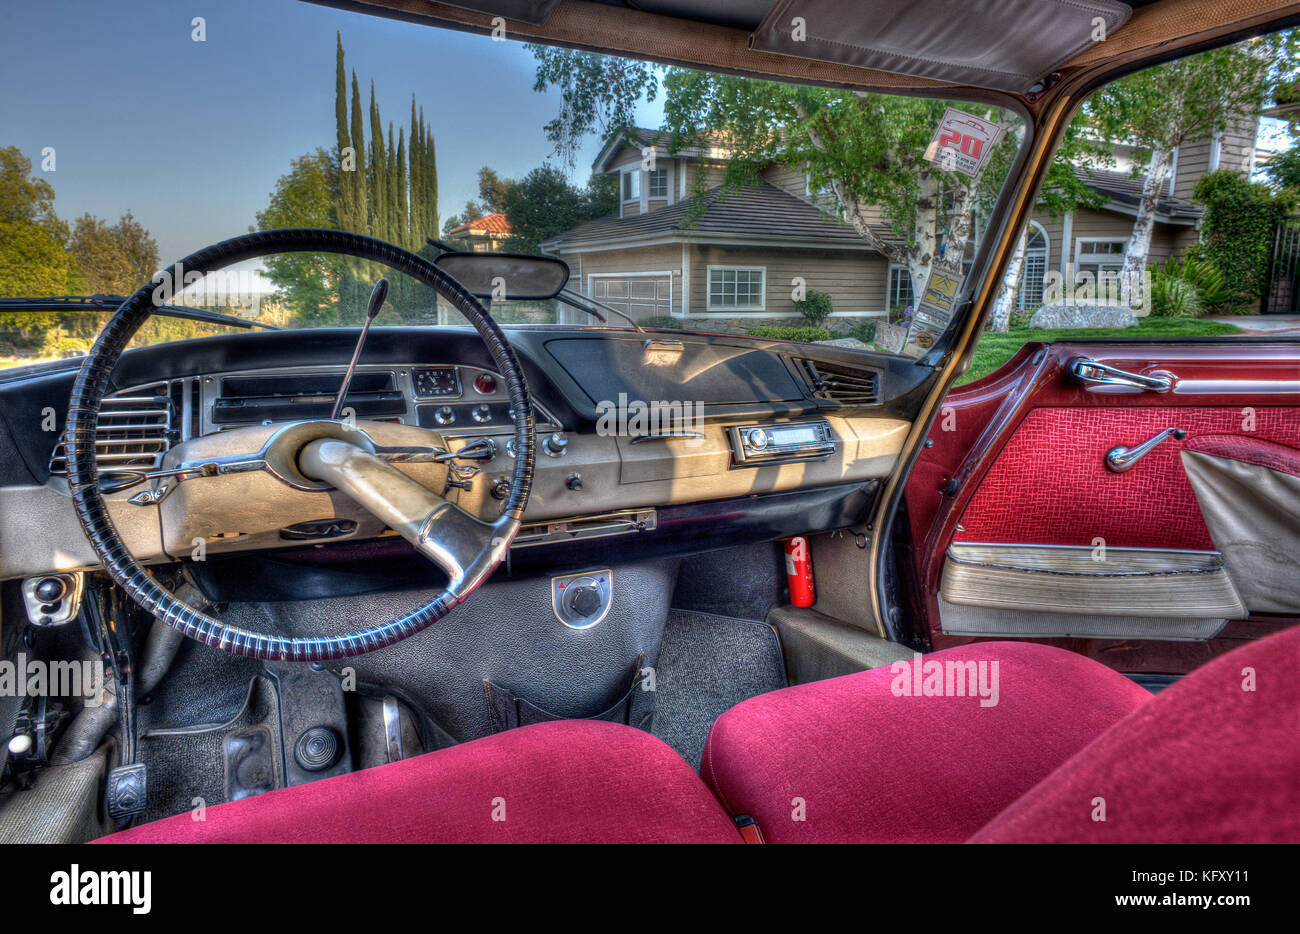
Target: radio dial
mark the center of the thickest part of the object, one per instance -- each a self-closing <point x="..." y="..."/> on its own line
<point x="757" y="439"/>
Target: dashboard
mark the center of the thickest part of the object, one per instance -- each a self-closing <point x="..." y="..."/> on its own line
<point x="632" y="429"/>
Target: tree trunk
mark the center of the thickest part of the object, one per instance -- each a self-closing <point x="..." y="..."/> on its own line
<point x="1006" y="301"/>
<point x="925" y="232"/>
<point x="1139" y="244"/>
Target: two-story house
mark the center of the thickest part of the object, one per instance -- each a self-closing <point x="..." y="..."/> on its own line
<point x="679" y="247"/>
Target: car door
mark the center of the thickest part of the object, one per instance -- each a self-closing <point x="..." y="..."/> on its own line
<point x="1136" y="501"/>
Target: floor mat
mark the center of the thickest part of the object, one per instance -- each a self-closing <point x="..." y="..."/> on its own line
<point x="708" y="664"/>
<point x="189" y="763"/>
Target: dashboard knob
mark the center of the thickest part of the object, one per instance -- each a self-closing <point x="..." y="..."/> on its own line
<point x="500" y="488"/>
<point x="756" y="438"/>
<point x="445" y="415"/>
<point x="481" y="413"/>
<point x="50" y="590"/>
<point x="485" y="383"/>
<point x="574" y="482"/>
<point x="584" y="600"/>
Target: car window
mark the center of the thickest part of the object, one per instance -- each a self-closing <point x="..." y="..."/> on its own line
<point x="1169" y="212"/>
<point x="680" y="199"/>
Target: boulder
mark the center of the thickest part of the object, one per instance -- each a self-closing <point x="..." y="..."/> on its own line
<point x="1083" y="314"/>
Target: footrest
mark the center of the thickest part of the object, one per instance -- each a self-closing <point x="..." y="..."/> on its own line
<point x="127" y="791"/>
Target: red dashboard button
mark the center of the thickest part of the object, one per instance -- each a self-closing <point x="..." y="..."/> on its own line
<point x="485" y="383"/>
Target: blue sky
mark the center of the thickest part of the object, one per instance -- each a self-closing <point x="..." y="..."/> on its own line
<point x="191" y="136"/>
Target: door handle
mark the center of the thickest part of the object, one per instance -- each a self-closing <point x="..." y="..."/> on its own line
<point x="1120" y="459"/>
<point x="1084" y="370"/>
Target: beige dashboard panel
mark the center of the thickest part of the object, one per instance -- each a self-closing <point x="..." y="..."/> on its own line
<point x="241" y="512"/>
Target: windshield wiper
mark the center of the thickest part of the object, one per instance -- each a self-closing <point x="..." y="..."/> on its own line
<point x="589" y="305"/>
<point x="98" y="303"/>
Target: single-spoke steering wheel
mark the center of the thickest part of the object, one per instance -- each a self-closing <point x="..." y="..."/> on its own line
<point x="328" y="454"/>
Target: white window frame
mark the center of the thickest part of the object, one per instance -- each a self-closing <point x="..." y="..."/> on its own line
<point x="1106" y="261"/>
<point x="741" y="309"/>
<point x="622" y="185"/>
<point x="649" y="183"/>
<point x="889" y="285"/>
<point x="1047" y="260"/>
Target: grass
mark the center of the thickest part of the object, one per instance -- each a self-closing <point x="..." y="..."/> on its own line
<point x="993" y="350"/>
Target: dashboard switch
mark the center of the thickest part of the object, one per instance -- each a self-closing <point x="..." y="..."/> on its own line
<point x="445" y="415"/>
<point x="485" y="384"/>
<point x="555" y="444"/>
<point x="574" y="482"/>
<point x="482" y="413"/>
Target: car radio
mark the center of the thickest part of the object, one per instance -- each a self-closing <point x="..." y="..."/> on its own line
<point x="752" y="445"/>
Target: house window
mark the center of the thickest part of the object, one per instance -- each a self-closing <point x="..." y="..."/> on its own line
<point x="900" y="287"/>
<point x="736" y="288"/>
<point x="632" y="185"/>
<point x="1099" y="262"/>
<point x="659" y="183"/>
<point x="1034" y="272"/>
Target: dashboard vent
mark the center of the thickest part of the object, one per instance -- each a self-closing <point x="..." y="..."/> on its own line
<point x="134" y="430"/>
<point x="835" y="382"/>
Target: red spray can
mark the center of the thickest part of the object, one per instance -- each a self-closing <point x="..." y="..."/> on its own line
<point x="798" y="571"/>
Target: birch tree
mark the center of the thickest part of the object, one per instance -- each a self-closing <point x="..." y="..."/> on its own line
<point x="1159" y="109"/>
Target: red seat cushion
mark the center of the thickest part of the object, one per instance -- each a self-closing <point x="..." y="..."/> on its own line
<point x="563" y="782"/>
<point x="1206" y="761"/>
<point x="869" y="765"/>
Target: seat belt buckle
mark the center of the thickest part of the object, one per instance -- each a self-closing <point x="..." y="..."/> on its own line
<point x="748" y="827"/>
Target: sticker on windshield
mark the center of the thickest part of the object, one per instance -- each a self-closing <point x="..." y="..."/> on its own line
<point x="962" y="142"/>
<point x="890" y="337"/>
<point x="938" y="298"/>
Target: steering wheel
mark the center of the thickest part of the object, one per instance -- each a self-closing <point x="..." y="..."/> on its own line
<point x="319" y="455"/>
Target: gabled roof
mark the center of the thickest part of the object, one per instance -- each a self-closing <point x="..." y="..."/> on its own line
<point x="1125" y="190"/>
<point x="659" y="139"/>
<point x="493" y="224"/>
<point x="753" y="213"/>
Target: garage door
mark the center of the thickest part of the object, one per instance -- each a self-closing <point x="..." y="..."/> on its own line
<point x="638" y="296"/>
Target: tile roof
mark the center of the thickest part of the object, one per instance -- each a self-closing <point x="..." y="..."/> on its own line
<point x="1124" y="188"/>
<point x="492" y="224"/>
<point x="760" y="211"/>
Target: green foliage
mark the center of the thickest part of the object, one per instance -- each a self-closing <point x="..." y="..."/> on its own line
<point x="33" y="261"/>
<point x="805" y="335"/>
<point x="543" y="204"/>
<point x="660" y="322"/>
<point x="1284" y="169"/>
<point x="1237" y="231"/>
<point x="24" y="198"/>
<point x="815" y="307"/>
<point x="114" y="259"/>
<point x="1175" y="297"/>
<point x="304" y="197"/>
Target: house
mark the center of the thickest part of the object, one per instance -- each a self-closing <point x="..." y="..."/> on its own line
<point x="681" y="247"/>
<point x="484" y="235"/>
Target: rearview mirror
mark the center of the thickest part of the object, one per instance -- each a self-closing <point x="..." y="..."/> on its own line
<point x="506" y="276"/>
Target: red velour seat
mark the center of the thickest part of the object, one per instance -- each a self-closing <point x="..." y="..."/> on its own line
<point x="573" y="781"/>
<point x="877" y="756"/>
<point x="1214" y="758"/>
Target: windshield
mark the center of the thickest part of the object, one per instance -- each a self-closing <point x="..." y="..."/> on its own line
<point x="679" y="199"/>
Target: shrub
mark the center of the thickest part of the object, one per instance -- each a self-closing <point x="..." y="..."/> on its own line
<point x="659" y="321"/>
<point x="807" y="335"/>
<point x="1237" y="230"/>
<point x="1172" y="296"/>
<point x="815" y="307"/>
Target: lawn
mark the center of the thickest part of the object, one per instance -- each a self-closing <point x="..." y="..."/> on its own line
<point x="993" y="349"/>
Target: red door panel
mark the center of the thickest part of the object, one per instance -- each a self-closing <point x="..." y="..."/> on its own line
<point x="1049" y="484"/>
<point x="1018" y="457"/>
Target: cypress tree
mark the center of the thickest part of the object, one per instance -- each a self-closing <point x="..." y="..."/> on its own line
<point x="378" y="171"/>
<point x="403" y="210"/>
<point x="346" y="208"/>
<point x="357" y="180"/>
<point x="392" y="181"/>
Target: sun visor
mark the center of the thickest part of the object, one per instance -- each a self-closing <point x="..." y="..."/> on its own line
<point x="533" y="12"/>
<point x="1006" y="45"/>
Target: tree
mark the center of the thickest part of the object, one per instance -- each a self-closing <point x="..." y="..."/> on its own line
<point x="492" y="190"/>
<point x="34" y="262"/>
<point x="866" y="150"/>
<point x="1283" y="170"/>
<point x="1158" y="109"/>
<point x="25" y="198"/>
<point x="540" y="205"/>
<point x="114" y="259"/>
<point x="305" y="197"/>
<point x="1237" y="230"/>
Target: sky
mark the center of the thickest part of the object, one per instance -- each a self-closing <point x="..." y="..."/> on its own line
<point x="191" y="136"/>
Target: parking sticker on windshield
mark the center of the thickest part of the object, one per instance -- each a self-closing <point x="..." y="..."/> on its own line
<point x="962" y="142"/>
<point x="938" y="298"/>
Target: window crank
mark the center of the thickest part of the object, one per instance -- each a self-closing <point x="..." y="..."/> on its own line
<point x="1121" y="458"/>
